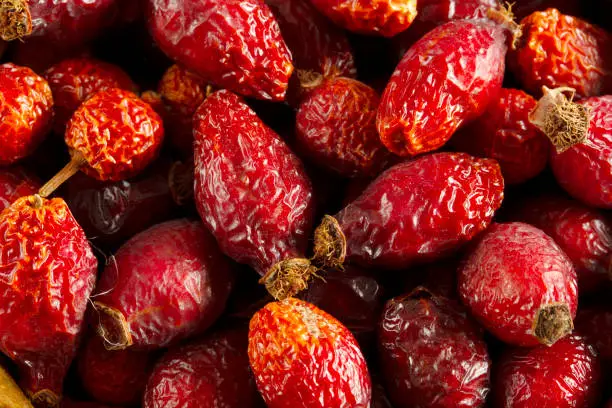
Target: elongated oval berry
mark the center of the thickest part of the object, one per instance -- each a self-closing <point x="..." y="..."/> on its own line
<point x="233" y="44"/>
<point x="47" y="272"/>
<point x="16" y="182"/>
<point x="520" y="285"/>
<point x="252" y="193"/>
<point x="165" y="284"/>
<point x="416" y="211"/>
<point x="445" y="79"/>
<point x="432" y="354"/>
<point x="303" y="357"/>
<point x="564" y="375"/>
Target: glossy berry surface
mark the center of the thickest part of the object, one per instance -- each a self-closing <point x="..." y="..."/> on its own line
<point x="520" y="285"/>
<point x="303" y="357"/>
<point x="16" y="182"/>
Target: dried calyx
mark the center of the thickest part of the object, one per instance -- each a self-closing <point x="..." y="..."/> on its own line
<point x="45" y="398"/>
<point x="15" y="19"/>
<point x="505" y="17"/>
<point x="329" y="244"/>
<point x="289" y="277"/>
<point x="309" y="79"/>
<point x="113" y="328"/>
<point x="552" y="323"/>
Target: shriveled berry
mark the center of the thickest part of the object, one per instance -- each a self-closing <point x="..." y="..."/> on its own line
<point x="595" y="325"/>
<point x="303" y="357"/>
<point x="432" y="354"/>
<point x="16" y="182"/>
<point x="520" y="285"/>
<point x="26" y="109"/>
<point x="10" y="394"/>
<point x="233" y="44"/>
<point x="165" y="284"/>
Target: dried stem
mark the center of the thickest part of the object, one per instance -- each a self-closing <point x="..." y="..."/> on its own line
<point x="289" y="277"/>
<point x="64" y="174"/>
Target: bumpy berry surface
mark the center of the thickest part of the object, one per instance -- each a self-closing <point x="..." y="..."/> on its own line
<point x="16" y="182"/>
<point x="595" y="324"/>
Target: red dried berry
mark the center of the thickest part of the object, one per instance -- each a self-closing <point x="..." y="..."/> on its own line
<point x="47" y="272"/>
<point x="581" y="60"/>
<point x="415" y="211"/>
<point x="234" y="44"/>
<point x="595" y="324"/>
<point x="26" y="109"/>
<point x="566" y="374"/>
<point x="445" y="79"/>
<point x="252" y="193"/>
<point x="505" y="134"/>
<point x="432" y="354"/>
<point x="165" y="284"/>
<point x="73" y="81"/>
<point x="303" y="357"/>
<point x="210" y="372"/>
<point x="520" y="285"/>
<point x="16" y="182"/>
<point x="336" y="127"/>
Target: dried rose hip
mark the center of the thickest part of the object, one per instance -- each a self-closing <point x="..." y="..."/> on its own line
<point x="252" y="193"/>
<point x="336" y="127"/>
<point x="47" y="273"/>
<point x="11" y="395"/>
<point x="73" y="81"/>
<point x="520" y="285"/>
<point x="210" y="38"/>
<point x="566" y="374"/>
<point x="581" y="60"/>
<point x="303" y="357"/>
<point x="505" y="134"/>
<point x="415" y="211"/>
<point x="595" y="324"/>
<point x="432" y="354"/>
<point x="210" y="372"/>
<point x="16" y="182"/>
<point x="163" y="285"/>
<point x="26" y="109"/>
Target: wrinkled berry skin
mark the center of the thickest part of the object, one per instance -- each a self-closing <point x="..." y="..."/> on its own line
<point x="595" y="324"/>
<point x="336" y="127"/>
<point x="581" y="61"/>
<point x="445" y="79"/>
<point x="505" y="134"/>
<point x="16" y="182"/>
<point x="251" y="191"/>
<point x="584" y="234"/>
<point x="432" y="354"/>
<point x="565" y="374"/>
<point x="26" y="109"/>
<point x="585" y="169"/>
<point x="513" y="273"/>
<point x="209" y="372"/>
<point x="386" y="18"/>
<point x="233" y="44"/>
<point x="302" y="357"/>
<point x="73" y="81"/>
<point x="117" y="134"/>
<point x="48" y="270"/>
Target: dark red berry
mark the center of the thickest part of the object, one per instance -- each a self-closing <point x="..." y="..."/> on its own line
<point x="16" y="182"/>
<point x="595" y="324"/>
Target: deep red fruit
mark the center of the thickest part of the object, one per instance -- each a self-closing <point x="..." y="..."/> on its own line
<point x="252" y="192"/>
<point x="595" y="324"/>
<point x="520" y="285"/>
<point x="73" y="81"/>
<point x="210" y="372"/>
<point x="505" y="134"/>
<point x="336" y="127"/>
<point x="304" y="358"/>
<point x="165" y="284"/>
<point x="432" y="354"/>
<point x="26" y="109"/>
<point x="415" y="211"/>
<point x="566" y="374"/>
<point x="233" y="44"/>
<point x="16" y="182"/>
<point x="445" y="79"/>
<point x="47" y="272"/>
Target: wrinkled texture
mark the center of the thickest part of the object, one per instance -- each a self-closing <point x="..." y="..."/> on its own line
<point x="117" y="134"/>
<point x="561" y="376"/>
<point x="445" y="79"/>
<point x="432" y="354"/>
<point x="595" y="324"/>
<point x="559" y="50"/>
<point x="251" y="190"/>
<point x="16" y="182"/>
<point x="26" y="109"/>
<point x="514" y="270"/>
<point x="47" y="272"/>
<point x="234" y="44"/>
<point x="302" y="357"/>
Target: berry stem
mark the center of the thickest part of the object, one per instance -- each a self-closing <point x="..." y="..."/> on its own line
<point x="64" y="174"/>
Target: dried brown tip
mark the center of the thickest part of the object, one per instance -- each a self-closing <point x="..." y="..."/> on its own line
<point x="309" y="79"/>
<point x="289" y="277"/>
<point x="180" y="182"/>
<point x="45" y="398"/>
<point x="35" y="201"/>
<point x="73" y="166"/>
<point x="113" y="328"/>
<point x="15" y="19"/>
<point x="329" y="244"/>
<point x="552" y="323"/>
<point x="505" y="17"/>
<point x="564" y="122"/>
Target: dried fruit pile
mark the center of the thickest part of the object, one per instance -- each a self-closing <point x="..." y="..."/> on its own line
<point x="305" y="204"/>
